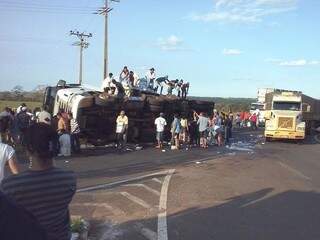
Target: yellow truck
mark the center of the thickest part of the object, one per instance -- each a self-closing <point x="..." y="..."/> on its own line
<point x="290" y="115"/>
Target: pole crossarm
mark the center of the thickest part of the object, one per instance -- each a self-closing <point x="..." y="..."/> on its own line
<point x="82" y="36"/>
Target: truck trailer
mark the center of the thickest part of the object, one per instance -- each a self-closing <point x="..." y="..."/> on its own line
<point x="290" y="115"/>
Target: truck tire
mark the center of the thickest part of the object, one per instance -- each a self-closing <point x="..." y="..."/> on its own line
<point x="109" y="101"/>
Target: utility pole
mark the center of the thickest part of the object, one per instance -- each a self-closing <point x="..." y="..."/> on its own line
<point x="104" y="11"/>
<point x="82" y="44"/>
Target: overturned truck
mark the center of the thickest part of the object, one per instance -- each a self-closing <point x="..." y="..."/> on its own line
<point x="96" y="112"/>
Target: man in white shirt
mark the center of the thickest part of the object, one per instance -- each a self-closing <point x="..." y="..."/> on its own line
<point x="160" y="123"/>
<point x="107" y="83"/>
<point x="7" y="155"/>
<point x="151" y="76"/>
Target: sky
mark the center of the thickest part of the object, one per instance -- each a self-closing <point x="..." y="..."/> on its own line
<point x="224" y="48"/>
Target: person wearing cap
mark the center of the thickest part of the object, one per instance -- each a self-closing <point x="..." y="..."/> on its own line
<point x="122" y="129"/>
<point x="20" y="107"/>
<point x="160" y="123"/>
<point x="151" y="76"/>
<point x="44" y="117"/>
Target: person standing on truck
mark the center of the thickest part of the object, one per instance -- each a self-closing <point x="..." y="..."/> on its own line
<point x="160" y="123"/>
<point x="122" y="129"/>
<point x="124" y="75"/>
<point x="120" y="91"/>
<point x="151" y="77"/>
<point x="106" y="83"/>
<point x="160" y="82"/>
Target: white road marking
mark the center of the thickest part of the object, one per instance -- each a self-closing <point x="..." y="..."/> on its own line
<point x="156" y="180"/>
<point x="145" y="187"/>
<point x="108" y="185"/>
<point x="162" y="216"/>
<point x="136" y="200"/>
<point x="296" y="172"/>
<point x="114" y="210"/>
<point x="146" y="232"/>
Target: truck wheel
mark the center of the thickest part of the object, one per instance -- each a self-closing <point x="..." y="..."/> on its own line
<point x="268" y="139"/>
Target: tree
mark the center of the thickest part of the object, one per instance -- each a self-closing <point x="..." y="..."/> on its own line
<point x="18" y="92"/>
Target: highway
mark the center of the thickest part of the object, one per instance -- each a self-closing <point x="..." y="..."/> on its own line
<point x="252" y="190"/>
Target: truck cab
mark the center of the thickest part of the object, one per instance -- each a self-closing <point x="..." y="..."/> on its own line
<point x="284" y="116"/>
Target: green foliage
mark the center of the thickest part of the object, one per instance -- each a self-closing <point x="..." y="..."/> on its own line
<point x="78" y="225"/>
<point x="15" y="104"/>
<point x="228" y="104"/>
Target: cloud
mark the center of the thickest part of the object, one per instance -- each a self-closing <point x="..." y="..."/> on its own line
<point x="172" y="43"/>
<point x="245" y="11"/>
<point x="231" y="51"/>
<point x="293" y="63"/>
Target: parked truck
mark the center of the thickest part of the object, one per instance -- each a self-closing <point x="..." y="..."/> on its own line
<point x="290" y="115"/>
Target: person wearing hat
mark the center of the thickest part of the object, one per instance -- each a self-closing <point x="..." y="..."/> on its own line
<point x="44" y="117"/>
<point x="160" y="123"/>
<point x="151" y="76"/>
<point x="122" y="129"/>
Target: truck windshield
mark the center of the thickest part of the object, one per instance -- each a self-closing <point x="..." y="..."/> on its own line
<point x="255" y="106"/>
<point x="291" y="106"/>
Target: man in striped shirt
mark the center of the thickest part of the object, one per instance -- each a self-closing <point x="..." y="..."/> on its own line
<point x="43" y="190"/>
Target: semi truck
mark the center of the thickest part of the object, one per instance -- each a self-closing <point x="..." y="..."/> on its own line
<point x="290" y="115"/>
<point x="96" y="111"/>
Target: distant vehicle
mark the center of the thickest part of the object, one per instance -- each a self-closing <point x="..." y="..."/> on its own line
<point x="96" y="112"/>
<point x="259" y="107"/>
<point x="290" y="115"/>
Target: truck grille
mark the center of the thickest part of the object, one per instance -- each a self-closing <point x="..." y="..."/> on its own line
<point x="285" y="122"/>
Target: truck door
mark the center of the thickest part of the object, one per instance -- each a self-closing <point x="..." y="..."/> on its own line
<point x="49" y="99"/>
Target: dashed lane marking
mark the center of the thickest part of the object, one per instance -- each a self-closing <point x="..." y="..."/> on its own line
<point x="145" y="187"/>
<point x="156" y="180"/>
<point x="162" y="216"/>
<point x="296" y="172"/>
<point x="146" y="232"/>
<point x="112" y="184"/>
<point x="114" y="210"/>
<point x="136" y="200"/>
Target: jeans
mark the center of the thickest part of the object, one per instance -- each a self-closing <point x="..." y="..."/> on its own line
<point x="75" y="143"/>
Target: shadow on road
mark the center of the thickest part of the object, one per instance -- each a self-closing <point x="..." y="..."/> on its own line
<point x="293" y="215"/>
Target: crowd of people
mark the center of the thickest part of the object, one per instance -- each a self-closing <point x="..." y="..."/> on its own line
<point x="202" y="130"/>
<point x="39" y="197"/>
<point x="129" y="80"/>
<point x="14" y="124"/>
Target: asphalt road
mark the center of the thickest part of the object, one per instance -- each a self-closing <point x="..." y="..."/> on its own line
<point x="251" y="190"/>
